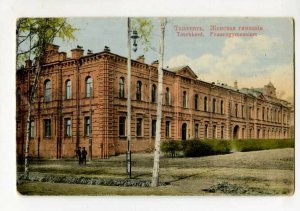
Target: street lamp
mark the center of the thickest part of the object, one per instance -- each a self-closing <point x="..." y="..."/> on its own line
<point x="130" y="36"/>
<point x="134" y="36"/>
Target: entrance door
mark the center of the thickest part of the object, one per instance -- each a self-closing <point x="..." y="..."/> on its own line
<point x="183" y="131"/>
<point x="236" y="132"/>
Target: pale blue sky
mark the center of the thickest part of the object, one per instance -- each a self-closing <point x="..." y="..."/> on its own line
<point x="251" y="61"/>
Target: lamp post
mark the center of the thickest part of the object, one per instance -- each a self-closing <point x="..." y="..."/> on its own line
<point x="134" y="36"/>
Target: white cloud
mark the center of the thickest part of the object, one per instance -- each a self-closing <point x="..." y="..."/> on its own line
<point x="253" y="62"/>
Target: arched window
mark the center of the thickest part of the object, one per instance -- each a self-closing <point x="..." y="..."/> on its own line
<point x="139" y="91"/>
<point x="167" y="96"/>
<point x="153" y="94"/>
<point x="214" y="106"/>
<point x="222" y="107"/>
<point x="184" y="100"/>
<point x="88" y="86"/>
<point x="68" y="89"/>
<point x="121" y="88"/>
<point x="196" y="102"/>
<point x="47" y="88"/>
<point x="206" y="131"/>
<point x="205" y="104"/>
<point x="222" y="132"/>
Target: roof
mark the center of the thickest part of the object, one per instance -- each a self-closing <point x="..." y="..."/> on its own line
<point x="184" y="71"/>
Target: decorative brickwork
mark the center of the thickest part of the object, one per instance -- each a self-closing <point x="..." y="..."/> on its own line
<point x="229" y="112"/>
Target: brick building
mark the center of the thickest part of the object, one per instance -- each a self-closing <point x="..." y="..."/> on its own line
<point x="85" y="97"/>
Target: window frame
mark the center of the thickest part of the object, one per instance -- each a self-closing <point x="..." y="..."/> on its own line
<point x="122" y="87"/>
<point x="47" y="128"/>
<point x="87" y="125"/>
<point x="68" y="127"/>
<point x="68" y="89"/>
<point x="88" y="87"/>
<point x="138" y="91"/>
<point x="139" y="127"/>
<point x="122" y="124"/>
<point x="47" y="91"/>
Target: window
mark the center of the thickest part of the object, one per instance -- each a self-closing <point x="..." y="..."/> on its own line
<point x="88" y="86"/>
<point x="122" y="125"/>
<point x="47" y="91"/>
<point x="250" y="133"/>
<point x="184" y="100"/>
<point x="206" y="131"/>
<point x="236" y="110"/>
<point x="153" y="129"/>
<point x="139" y="127"/>
<point x="222" y="132"/>
<point x="205" y="104"/>
<point x="68" y="90"/>
<point x="242" y="111"/>
<point x="153" y="94"/>
<point x="214" y="106"/>
<point x="196" y="102"/>
<point x="196" y="130"/>
<point x="222" y="107"/>
<point x="68" y="127"/>
<point x="168" y="129"/>
<point x="214" y="131"/>
<point x="257" y="113"/>
<point x="31" y="128"/>
<point x="250" y="112"/>
<point x="121" y="88"/>
<point x="267" y="114"/>
<point x="167" y="96"/>
<point x="263" y="113"/>
<point x="243" y="133"/>
<point x="139" y="91"/>
<point x="87" y="126"/>
<point x="47" y="128"/>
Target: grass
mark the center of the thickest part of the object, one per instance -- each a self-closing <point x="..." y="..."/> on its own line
<point x="268" y="172"/>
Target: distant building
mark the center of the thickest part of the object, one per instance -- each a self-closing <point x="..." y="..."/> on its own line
<point x="89" y="91"/>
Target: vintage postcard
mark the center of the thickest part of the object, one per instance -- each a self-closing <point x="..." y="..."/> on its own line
<point x="155" y="106"/>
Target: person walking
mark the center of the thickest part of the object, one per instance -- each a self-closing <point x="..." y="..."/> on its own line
<point x="79" y="155"/>
<point x="83" y="154"/>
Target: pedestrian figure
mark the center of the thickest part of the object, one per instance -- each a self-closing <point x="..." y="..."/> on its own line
<point x="83" y="154"/>
<point x="79" y="155"/>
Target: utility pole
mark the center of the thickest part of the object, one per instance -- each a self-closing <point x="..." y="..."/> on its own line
<point x="128" y="155"/>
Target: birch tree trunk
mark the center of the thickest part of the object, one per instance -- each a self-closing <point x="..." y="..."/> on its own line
<point x="30" y="108"/>
<point x="155" y="176"/>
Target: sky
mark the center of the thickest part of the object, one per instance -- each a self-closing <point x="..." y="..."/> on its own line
<point x="264" y="54"/>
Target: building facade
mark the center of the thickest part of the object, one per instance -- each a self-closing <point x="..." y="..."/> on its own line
<point x="81" y="101"/>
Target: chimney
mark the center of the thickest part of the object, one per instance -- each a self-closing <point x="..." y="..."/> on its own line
<point x="141" y="59"/>
<point x="28" y="63"/>
<point x="62" y="56"/>
<point x="235" y="84"/>
<point x="77" y="52"/>
<point x="155" y="63"/>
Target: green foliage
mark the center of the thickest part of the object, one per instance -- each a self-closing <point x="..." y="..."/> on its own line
<point x="197" y="148"/>
<point x="33" y="34"/>
<point x="144" y="27"/>
<point x="261" y="144"/>
<point x="171" y="148"/>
